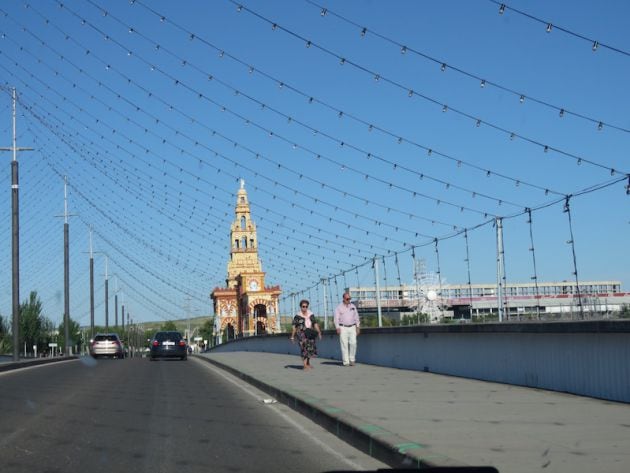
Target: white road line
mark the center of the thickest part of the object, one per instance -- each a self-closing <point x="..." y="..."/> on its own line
<point x="250" y="390"/>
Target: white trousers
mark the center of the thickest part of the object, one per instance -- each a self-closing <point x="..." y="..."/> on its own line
<point x="348" y="342"/>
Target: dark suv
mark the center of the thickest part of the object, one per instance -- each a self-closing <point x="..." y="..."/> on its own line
<point x="169" y="345"/>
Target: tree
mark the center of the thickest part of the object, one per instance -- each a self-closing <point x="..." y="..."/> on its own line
<point x="169" y="326"/>
<point x="206" y="330"/>
<point x="34" y="328"/>
<point x="5" y="336"/>
<point x="74" y="332"/>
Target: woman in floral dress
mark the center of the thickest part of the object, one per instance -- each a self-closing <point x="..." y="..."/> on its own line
<point x="306" y="330"/>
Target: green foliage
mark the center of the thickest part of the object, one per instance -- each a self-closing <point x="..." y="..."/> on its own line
<point x="34" y="328"/>
<point x="414" y="319"/>
<point x="372" y="321"/>
<point x="169" y="326"/>
<point x="5" y="336"/>
<point x="207" y="329"/>
<point x="625" y="311"/>
<point x="287" y="328"/>
<point x="76" y="337"/>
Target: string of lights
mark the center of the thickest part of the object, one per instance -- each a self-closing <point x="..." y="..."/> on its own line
<point x="343" y="143"/>
<point x="108" y="213"/>
<point x="155" y="133"/>
<point x="484" y="82"/>
<point x="488" y="171"/>
<point x="228" y="192"/>
<point x="443" y="106"/>
<point x="275" y="183"/>
<point x="129" y="191"/>
<point x="549" y="26"/>
<point x="311" y="98"/>
<point x="596" y="187"/>
<point x="226" y="220"/>
<point x="128" y="257"/>
<point x="294" y="145"/>
<point x="588" y="190"/>
<point x="379" y="223"/>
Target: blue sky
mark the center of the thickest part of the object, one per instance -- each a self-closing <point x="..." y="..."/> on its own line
<point x="154" y="110"/>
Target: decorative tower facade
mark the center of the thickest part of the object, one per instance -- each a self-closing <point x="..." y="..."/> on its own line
<point x="245" y="307"/>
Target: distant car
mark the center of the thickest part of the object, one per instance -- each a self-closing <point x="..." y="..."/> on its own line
<point x="169" y="345"/>
<point x="107" y="344"/>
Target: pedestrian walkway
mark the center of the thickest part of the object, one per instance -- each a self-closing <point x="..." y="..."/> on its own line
<point x="411" y="418"/>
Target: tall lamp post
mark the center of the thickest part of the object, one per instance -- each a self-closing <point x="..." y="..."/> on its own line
<point x="106" y="287"/>
<point x="66" y="268"/>
<point x="91" y="287"/>
<point x="15" y="234"/>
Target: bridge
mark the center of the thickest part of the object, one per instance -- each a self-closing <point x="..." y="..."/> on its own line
<point x="519" y="397"/>
<point x="460" y="158"/>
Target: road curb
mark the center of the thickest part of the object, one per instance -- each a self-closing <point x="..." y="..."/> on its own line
<point x="13" y="365"/>
<point x="373" y="440"/>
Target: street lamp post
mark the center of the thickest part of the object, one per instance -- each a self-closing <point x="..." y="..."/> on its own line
<point x="15" y="234"/>
<point x="106" y="287"/>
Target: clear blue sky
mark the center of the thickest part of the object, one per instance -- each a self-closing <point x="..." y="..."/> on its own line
<point x="154" y="126"/>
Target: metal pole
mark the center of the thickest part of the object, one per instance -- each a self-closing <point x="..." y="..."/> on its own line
<point x="66" y="270"/>
<point x="500" y="267"/>
<point x="470" y="298"/>
<point x="567" y="210"/>
<point x="106" y="296"/>
<point x="415" y="277"/>
<point x="15" y="232"/>
<point x="325" y="305"/>
<point x="378" y="292"/>
<point x="66" y="286"/>
<point x="533" y="250"/>
<point x="15" y="240"/>
<point x="15" y="245"/>
<point x="116" y="302"/>
<point x="91" y="288"/>
<point x="439" y="273"/>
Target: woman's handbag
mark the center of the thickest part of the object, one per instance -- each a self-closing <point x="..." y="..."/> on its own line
<point x="310" y="333"/>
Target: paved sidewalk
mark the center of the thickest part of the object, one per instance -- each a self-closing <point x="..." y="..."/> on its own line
<point x="411" y="418"/>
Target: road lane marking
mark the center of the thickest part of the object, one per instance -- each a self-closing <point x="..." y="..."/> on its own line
<point x="245" y="387"/>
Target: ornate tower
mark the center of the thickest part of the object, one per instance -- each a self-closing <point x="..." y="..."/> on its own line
<point x="245" y="306"/>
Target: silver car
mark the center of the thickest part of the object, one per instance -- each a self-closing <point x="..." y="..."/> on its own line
<point x="107" y="344"/>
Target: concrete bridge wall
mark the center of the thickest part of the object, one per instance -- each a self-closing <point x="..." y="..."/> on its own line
<point x="589" y="358"/>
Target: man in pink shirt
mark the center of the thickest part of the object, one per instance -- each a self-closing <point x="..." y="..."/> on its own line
<point x="347" y="325"/>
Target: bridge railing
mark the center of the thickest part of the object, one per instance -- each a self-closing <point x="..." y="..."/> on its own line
<point x="589" y="358"/>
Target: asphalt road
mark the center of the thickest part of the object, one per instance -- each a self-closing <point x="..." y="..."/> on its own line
<point x="134" y="415"/>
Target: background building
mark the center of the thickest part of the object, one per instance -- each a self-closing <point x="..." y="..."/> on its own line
<point x="464" y="301"/>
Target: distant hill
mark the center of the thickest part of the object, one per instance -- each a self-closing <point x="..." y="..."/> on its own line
<point x="181" y="324"/>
